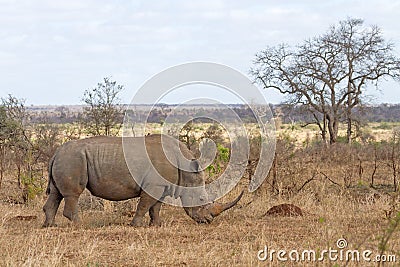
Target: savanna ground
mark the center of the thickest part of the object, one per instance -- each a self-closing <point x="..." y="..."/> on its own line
<point x="335" y="196"/>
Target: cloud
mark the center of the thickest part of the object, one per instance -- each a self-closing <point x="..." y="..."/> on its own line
<point x="15" y="40"/>
<point x="80" y="42"/>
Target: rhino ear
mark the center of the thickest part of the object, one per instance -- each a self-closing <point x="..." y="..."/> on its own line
<point x="195" y="166"/>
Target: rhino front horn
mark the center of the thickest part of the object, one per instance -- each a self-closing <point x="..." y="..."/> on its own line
<point x="217" y="208"/>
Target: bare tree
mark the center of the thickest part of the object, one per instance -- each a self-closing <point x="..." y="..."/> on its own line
<point x="103" y="114"/>
<point x="187" y="135"/>
<point x="329" y="73"/>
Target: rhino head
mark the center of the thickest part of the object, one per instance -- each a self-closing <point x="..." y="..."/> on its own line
<point x="207" y="213"/>
<point x="195" y="200"/>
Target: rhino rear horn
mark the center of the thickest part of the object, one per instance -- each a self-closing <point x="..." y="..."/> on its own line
<point x="217" y="208"/>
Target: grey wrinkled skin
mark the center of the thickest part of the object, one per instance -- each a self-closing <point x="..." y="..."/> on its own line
<point x="98" y="164"/>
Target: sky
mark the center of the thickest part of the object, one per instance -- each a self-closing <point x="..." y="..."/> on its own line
<point x="52" y="51"/>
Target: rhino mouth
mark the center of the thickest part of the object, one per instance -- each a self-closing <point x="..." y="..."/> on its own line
<point x="200" y="215"/>
<point x="204" y="220"/>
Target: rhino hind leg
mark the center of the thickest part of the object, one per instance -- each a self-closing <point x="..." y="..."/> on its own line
<point x="71" y="209"/>
<point x="154" y="213"/>
<point x="51" y="207"/>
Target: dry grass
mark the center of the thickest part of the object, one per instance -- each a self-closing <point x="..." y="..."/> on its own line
<point x="233" y="239"/>
<point x="359" y="214"/>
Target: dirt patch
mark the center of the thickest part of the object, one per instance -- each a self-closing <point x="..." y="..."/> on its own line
<point x="284" y="210"/>
<point x="25" y="217"/>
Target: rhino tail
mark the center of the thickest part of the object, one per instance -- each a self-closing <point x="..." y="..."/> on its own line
<point x="50" y="175"/>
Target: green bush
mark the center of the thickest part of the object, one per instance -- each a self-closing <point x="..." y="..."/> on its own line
<point x="33" y="185"/>
<point x="220" y="161"/>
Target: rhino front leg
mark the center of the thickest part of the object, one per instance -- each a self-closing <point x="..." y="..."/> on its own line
<point x="145" y="203"/>
<point x="154" y="213"/>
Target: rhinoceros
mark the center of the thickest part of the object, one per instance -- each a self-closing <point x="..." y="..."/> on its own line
<point x="100" y="165"/>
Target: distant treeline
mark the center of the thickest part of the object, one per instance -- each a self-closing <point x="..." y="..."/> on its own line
<point x="376" y="113"/>
<point x="286" y="113"/>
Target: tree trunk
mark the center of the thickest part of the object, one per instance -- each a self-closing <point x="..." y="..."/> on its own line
<point x="333" y="127"/>
<point x="349" y="128"/>
<point x="349" y="119"/>
<point x="321" y="126"/>
<point x="324" y="130"/>
<point x="323" y="134"/>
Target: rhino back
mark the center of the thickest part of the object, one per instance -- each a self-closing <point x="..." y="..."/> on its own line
<point x="108" y="174"/>
<point x="96" y="163"/>
<point x="99" y="164"/>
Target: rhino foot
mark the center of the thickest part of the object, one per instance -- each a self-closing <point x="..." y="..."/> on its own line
<point x="46" y="225"/>
<point x="138" y="222"/>
<point x="155" y="223"/>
